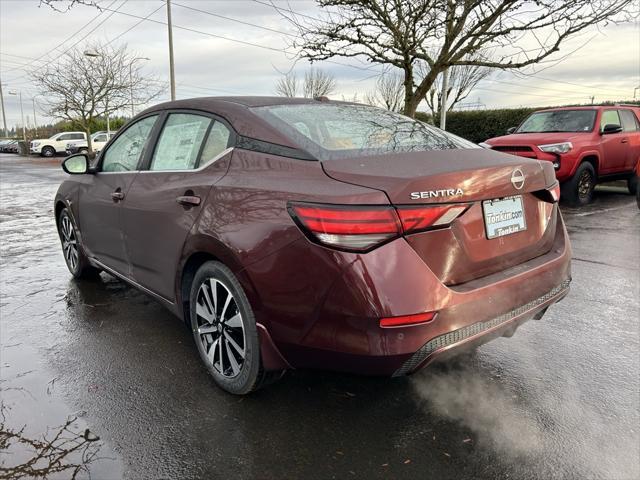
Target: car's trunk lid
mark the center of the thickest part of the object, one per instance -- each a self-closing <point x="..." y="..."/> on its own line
<point x="462" y="251"/>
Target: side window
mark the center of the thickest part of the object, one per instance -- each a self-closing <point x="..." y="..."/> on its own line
<point x="65" y="136"/>
<point x="609" y="117"/>
<point x="77" y="136"/>
<point x="100" y="138"/>
<point x="124" y="153"/>
<point x="629" y="121"/>
<point x="180" y="142"/>
<point x="217" y="142"/>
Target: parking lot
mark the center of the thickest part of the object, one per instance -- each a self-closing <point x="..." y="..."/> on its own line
<point x="560" y="399"/>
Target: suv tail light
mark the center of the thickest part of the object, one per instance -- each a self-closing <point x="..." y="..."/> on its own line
<point x="361" y="228"/>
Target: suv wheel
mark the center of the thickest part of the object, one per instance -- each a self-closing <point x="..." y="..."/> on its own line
<point x="579" y="190"/>
<point x="83" y="150"/>
<point x="632" y="184"/>
<point x="225" y="331"/>
<point x="48" y="152"/>
<point x="77" y="262"/>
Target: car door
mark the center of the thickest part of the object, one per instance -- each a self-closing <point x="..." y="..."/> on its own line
<point x="101" y="197"/>
<point x="60" y="143"/>
<point x="614" y="145"/>
<point x="192" y="153"/>
<point x="631" y="126"/>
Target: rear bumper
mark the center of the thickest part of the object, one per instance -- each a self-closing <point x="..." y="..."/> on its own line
<point x="482" y="332"/>
<point x="343" y="332"/>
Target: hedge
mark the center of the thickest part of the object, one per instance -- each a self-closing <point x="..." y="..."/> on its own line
<point x="478" y="125"/>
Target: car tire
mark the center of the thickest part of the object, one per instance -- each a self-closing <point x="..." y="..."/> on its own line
<point x="72" y="251"/>
<point x="578" y="191"/>
<point x="632" y="184"/>
<point x="47" y="151"/>
<point x="224" y="330"/>
<point x="83" y="150"/>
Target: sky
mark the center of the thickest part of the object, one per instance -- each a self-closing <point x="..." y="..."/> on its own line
<point x="602" y="62"/>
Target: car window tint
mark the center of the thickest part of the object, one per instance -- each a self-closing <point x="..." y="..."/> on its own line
<point x="180" y="142"/>
<point x="217" y="142"/>
<point x="124" y="152"/>
<point x="100" y="138"/>
<point x="66" y="136"/>
<point x="609" y="117"/>
<point x="629" y="121"/>
<point x="77" y="136"/>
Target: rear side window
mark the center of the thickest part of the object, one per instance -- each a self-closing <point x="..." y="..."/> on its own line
<point x="124" y="153"/>
<point x="629" y="121"/>
<point x="217" y="142"/>
<point x="180" y="142"/>
<point x="336" y="131"/>
<point x="609" y="117"/>
<point x="77" y="136"/>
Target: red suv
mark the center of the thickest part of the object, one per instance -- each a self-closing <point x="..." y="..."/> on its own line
<point x="587" y="145"/>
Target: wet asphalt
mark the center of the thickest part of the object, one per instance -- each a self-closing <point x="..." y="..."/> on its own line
<point x="560" y="399"/>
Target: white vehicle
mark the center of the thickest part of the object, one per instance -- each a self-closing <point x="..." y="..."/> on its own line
<point x="48" y="147"/>
<point x="98" y="141"/>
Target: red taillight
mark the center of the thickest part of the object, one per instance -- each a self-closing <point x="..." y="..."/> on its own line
<point x="420" y="218"/>
<point x="352" y="228"/>
<point x="360" y="228"/>
<point x="407" y="320"/>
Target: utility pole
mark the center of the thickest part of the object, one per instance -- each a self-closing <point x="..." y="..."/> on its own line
<point x="35" y="122"/>
<point x="24" y="130"/>
<point x="4" y="116"/>
<point x="172" y="74"/>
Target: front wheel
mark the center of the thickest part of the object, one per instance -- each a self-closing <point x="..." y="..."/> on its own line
<point x="77" y="262"/>
<point x="224" y="329"/>
<point x="578" y="191"/>
<point x="48" y="151"/>
<point x="632" y="184"/>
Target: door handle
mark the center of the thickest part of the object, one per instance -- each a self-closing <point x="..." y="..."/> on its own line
<point x="188" y="200"/>
<point x="117" y="195"/>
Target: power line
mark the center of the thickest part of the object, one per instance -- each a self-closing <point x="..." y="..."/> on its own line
<point x="135" y="25"/>
<point x="72" y="35"/>
<point x="235" y="20"/>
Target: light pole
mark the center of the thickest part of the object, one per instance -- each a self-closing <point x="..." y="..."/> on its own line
<point x="35" y="122"/>
<point x="4" y="116"/>
<point x="131" y="79"/>
<point x="24" y="131"/>
<point x="89" y="53"/>
<point x="172" y="75"/>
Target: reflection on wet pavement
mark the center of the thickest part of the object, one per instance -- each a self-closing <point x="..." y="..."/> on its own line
<point x="560" y="399"/>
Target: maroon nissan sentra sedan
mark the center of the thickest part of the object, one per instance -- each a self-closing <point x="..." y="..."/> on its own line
<point x="298" y="233"/>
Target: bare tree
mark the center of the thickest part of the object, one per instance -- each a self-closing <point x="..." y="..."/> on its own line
<point x="82" y="88"/>
<point x="388" y="93"/>
<point x="462" y="79"/>
<point x="447" y="33"/>
<point x="316" y="83"/>
<point x="287" y="86"/>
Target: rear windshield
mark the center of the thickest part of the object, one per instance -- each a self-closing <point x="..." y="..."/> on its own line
<point x="337" y="131"/>
<point x="559" y="121"/>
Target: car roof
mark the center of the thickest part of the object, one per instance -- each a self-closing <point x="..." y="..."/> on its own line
<point x="588" y="107"/>
<point x="237" y="111"/>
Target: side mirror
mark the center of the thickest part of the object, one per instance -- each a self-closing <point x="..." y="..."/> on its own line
<point x="511" y="130"/>
<point x="76" y="164"/>
<point x="611" y="128"/>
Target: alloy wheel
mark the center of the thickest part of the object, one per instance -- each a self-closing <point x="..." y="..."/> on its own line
<point x="69" y="242"/>
<point x="584" y="184"/>
<point x="220" y="327"/>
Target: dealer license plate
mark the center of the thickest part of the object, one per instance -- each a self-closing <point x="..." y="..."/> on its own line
<point x="504" y="216"/>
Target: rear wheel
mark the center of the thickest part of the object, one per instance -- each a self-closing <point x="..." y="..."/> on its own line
<point x="225" y="331"/>
<point x="48" y="151"/>
<point x="579" y="190"/>
<point x="77" y="262"/>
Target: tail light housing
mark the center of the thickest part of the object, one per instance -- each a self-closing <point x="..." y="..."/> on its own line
<point x="362" y="228"/>
<point x="550" y="194"/>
